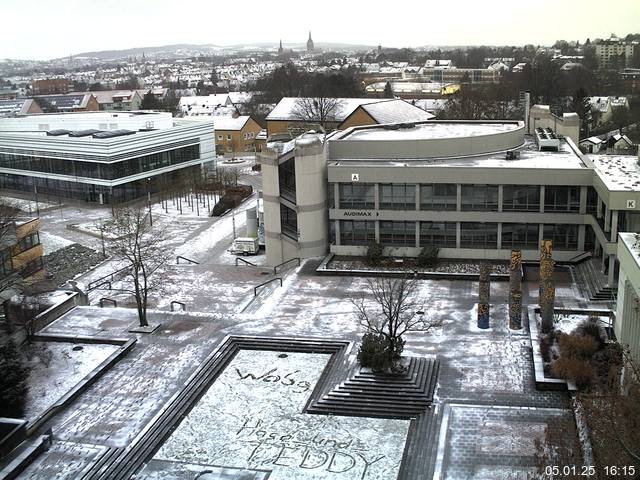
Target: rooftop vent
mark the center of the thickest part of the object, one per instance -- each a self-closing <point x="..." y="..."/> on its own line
<point x="113" y="133"/>
<point x="512" y="155"/>
<point x="547" y="140"/>
<point x="393" y="126"/>
<point x="407" y="125"/>
<point x="57" y="133"/>
<point x="83" y="133"/>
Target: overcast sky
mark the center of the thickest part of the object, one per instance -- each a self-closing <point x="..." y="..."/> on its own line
<point x="44" y="29"/>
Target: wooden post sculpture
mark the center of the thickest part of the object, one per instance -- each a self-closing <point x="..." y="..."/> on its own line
<point x="515" y="290"/>
<point x="484" y="290"/>
<point x="547" y="287"/>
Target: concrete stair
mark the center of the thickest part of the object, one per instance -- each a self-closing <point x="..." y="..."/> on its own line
<point x="369" y="394"/>
<point x="593" y="282"/>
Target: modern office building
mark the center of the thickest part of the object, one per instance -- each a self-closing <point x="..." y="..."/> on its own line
<point x="475" y="189"/>
<point x="102" y="157"/>
<point x="20" y="253"/>
<point x="627" y="324"/>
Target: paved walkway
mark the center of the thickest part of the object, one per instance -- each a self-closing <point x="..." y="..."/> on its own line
<point x="484" y="400"/>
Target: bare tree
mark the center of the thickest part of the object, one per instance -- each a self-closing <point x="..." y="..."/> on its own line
<point x="317" y="109"/>
<point x="140" y="247"/>
<point x="394" y="310"/>
<point x="613" y="417"/>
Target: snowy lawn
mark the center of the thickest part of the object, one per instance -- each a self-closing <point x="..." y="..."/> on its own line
<point x="56" y="367"/>
<point x="27" y="206"/>
<point x="52" y="243"/>
<point x="568" y="322"/>
<point x="251" y="417"/>
<point x="390" y="264"/>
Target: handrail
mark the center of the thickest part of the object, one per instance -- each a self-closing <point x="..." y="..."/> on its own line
<point x="185" y="258"/>
<point x="275" y="269"/>
<point x="92" y="285"/>
<point x="184" y="306"/>
<point x="255" y="289"/>
<point x="106" y="282"/>
<point x="105" y="299"/>
<point x="245" y="261"/>
<point x="576" y="257"/>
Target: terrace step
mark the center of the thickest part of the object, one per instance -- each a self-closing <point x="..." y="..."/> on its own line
<point x="365" y="393"/>
<point x="593" y="282"/>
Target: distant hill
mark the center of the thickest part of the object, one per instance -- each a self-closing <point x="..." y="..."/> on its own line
<point x="186" y="49"/>
<point x="151" y="51"/>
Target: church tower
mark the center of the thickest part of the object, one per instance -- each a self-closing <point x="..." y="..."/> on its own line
<point x="280" y="49"/>
<point x="310" y="47"/>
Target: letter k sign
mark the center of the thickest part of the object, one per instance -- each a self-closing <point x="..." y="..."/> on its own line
<point x="355" y="177"/>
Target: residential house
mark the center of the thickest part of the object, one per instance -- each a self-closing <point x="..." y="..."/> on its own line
<point x="286" y="117"/>
<point x="8" y="93"/>
<point x="23" y="106"/>
<point x="235" y="134"/>
<point x="118" y="100"/>
<point x="50" y="86"/>
<point x="78" y="102"/>
<point x="620" y="143"/>
<point x="390" y="111"/>
<point x="593" y="145"/>
<point x="602" y="107"/>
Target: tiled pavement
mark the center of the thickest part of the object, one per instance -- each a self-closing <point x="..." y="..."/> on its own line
<point x="464" y="437"/>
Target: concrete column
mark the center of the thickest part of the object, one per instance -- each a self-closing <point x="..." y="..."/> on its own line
<point x="500" y="199"/>
<point x="547" y="290"/>
<point x="377" y="231"/>
<point x="583" y="200"/>
<point x="542" y="190"/>
<point x="599" y="208"/>
<point x="614" y="225"/>
<point x="336" y="195"/>
<point x="612" y="269"/>
<point x="581" y="237"/>
<point x="499" y="236"/>
<point x="607" y="219"/>
<point x="540" y="233"/>
<point x="458" y="199"/>
<point x="417" y="196"/>
<point x="418" y="234"/>
<point x="376" y="189"/>
<point x="336" y="230"/>
<point x="484" y="292"/>
<point x="458" y="233"/>
<point x="515" y="290"/>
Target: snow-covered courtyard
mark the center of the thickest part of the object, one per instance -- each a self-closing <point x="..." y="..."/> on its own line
<point x="56" y="367"/>
<point x="252" y="417"/>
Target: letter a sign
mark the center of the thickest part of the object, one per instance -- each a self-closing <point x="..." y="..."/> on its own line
<point x="355" y="177"/>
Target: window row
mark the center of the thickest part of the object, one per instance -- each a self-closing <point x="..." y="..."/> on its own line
<point x="106" y="171"/>
<point x="472" y="234"/>
<point x="444" y="196"/>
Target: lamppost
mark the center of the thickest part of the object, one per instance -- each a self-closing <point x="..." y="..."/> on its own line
<point x="149" y="201"/>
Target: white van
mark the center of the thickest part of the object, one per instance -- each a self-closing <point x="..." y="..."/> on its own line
<point x="245" y="246"/>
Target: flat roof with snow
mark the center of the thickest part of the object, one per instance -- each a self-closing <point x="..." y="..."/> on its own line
<point x="430" y="139"/>
<point x="432" y="130"/>
<point x="618" y="172"/>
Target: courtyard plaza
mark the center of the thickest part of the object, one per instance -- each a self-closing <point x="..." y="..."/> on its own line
<point x="487" y="418"/>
